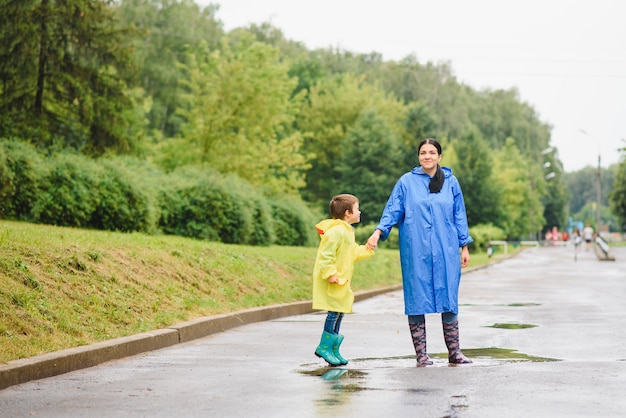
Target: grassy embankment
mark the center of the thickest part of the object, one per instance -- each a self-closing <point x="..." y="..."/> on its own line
<point x="66" y="287"/>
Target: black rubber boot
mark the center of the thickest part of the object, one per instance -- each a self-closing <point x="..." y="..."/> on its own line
<point x="451" y="335"/>
<point x="418" y="333"/>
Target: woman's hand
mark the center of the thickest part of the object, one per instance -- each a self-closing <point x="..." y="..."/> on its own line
<point x="465" y="257"/>
<point x="333" y="279"/>
<point x="372" y="241"/>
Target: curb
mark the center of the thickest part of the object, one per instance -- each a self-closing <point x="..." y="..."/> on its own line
<point x="71" y="359"/>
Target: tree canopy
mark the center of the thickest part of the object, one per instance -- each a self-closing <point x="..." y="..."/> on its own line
<point x="66" y="72"/>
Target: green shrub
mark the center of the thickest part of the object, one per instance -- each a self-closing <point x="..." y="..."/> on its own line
<point x="6" y="185"/>
<point x="484" y="233"/>
<point x="149" y="179"/>
<point x="206" y="205"/>
<point x="128" y="194"/>
<point x="205" y="209"/>
<point x="21" y="168"/>
<point x="68" y="196"/>
<point x="121" y="204"/>
<point x="263" y="226"/>
<point x="261" y="229"/>
<point x="294" y="222"/>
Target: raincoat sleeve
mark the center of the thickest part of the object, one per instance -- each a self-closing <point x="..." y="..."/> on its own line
<point x="460" y="215"/>
<point x="394" y="210"/>
<point x="362" y="253"/>
<point x="328" y="254"/>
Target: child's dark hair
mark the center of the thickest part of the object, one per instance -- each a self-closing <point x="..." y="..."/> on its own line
<point x="340" y="204"/>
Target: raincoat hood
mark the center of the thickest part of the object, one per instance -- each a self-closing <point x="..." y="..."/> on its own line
<point x="326" y="224"/>
<point x="447" y="172"/>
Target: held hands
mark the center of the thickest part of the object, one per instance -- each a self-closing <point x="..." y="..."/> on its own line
<point x="372" y="241"/>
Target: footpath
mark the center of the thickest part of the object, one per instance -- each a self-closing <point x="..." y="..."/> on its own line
<point x="543" y="329"/>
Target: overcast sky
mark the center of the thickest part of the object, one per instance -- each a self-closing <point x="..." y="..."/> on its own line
<point x="567" y="58"/>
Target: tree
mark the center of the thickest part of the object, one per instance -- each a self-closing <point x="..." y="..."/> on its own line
<point x="582" y="188"/>
<point x="500" y="115"/>
<point x="168" y="29"/>
<point x="582" y="192"/>
<point x="476" y="178"/>
<point x="419" y="125"/>
<point x="556" y="197"/>
<point x="617" y="196"/>
<point x="521" y="211"/>
<point x="368" y="166"/>
<point x="436" y="87"/>
<point x="334" y="105"/>
<point x="65" y="74"/>
<point x="239" y="115"/>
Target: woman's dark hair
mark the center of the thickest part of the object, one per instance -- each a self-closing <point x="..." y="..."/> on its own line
<point x="436" y="181"/>
<point x="430" y="141"/>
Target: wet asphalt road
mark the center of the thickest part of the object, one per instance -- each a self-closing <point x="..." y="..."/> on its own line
<point x="546" y="335"/>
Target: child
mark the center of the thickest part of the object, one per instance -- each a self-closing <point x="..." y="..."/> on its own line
<point x="332" y="274"/>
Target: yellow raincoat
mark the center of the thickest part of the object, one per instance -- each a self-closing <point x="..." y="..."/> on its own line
<point x="336" y="255"/>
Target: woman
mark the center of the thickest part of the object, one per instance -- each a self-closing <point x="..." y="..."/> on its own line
<point x="427" y="205"/>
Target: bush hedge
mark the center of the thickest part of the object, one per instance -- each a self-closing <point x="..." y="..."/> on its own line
<point x="484" y="233"/>
<point x="126" y="194"/>
<point x="21" y="167"/>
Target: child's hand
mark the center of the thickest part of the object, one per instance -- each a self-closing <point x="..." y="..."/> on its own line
<point x="372" y="241"/>
<point x="333" y="279"/>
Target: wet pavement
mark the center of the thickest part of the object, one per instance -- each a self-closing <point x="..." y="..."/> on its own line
<point x="545" y="333"/>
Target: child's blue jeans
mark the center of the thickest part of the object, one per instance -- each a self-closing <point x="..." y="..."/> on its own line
<point x="333" y="322"/>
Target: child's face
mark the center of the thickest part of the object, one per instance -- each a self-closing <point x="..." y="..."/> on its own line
<point x="354" y="217"/>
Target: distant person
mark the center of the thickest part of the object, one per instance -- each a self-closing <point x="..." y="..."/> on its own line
<point x="577" y="236"/>
<point x="555" y="235"/>
<point x="332" y="274"/>
<point x="578" y="240"/>
<point x="588" y="236"/>
<point x="427" y="206"/>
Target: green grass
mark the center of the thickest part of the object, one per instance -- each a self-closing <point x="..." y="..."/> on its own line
<point x="66" y="287"/>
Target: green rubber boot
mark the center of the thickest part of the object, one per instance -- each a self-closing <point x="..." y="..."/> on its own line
<point x="325" y="349"/>
<point x="339" y="357"/>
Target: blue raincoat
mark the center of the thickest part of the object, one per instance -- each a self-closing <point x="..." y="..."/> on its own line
<point x="433" y="227"/>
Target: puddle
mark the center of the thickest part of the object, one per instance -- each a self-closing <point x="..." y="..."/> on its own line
<point x="511" y="326"/>
<point x="333" y="373"/>
<point x="505" y="354"/>
<point x="352" y="380"/>
<point x="341" y="385"/>
<point x="359" y="369"/>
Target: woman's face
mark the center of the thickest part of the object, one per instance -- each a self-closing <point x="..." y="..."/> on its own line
<point x="429" y="157"/>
